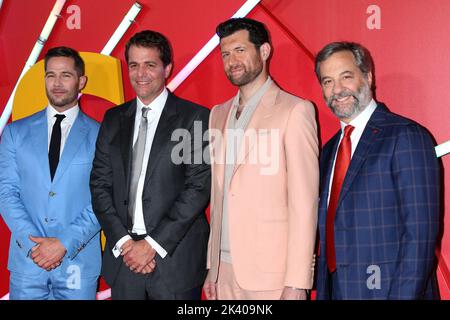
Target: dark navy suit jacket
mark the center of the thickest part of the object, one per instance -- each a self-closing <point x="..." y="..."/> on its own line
<point x="387" y="219"/>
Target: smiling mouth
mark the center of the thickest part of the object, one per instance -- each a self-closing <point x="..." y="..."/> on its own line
<point x="237" y="69"/>
<point x="142" y="83"/>
<point x="342" y="100"/>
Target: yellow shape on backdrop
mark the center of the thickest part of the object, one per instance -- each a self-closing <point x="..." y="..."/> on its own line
<point x="104" y="80"/>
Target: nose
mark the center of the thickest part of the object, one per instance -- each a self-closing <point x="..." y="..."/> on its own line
<point x="57" y="82"/>
<point x="232" y="60"/>
<point x="141" y="71"/>
<point x="337" y="87"/>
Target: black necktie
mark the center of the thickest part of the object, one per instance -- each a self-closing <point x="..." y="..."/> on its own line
<point x="55" y="145"/>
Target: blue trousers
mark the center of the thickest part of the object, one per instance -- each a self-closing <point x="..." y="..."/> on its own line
<point x="51" y="285"/>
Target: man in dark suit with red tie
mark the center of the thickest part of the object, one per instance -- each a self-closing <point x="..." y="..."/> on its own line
<point x="379" y="199"/>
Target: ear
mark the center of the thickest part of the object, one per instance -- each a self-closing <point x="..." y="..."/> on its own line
<point x="265" y="50"/>
<point x="370" y="79"/>
<point x="82" y="83"/>
<point x="168" y="70"/>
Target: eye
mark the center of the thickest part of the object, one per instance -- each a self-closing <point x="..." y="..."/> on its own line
<point x="225" y="55"/>
<point x="347" y="77"/>
<point x="326" y="82"/>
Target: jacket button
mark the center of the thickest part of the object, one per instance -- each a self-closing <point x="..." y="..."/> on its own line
<point x="51" y="194"/>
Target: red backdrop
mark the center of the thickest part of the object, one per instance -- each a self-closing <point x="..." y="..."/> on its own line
<point x="410" y="48"/>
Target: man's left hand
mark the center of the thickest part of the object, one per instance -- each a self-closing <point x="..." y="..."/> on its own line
<point x="293" y="294"/>
<point x="139" y="255"/>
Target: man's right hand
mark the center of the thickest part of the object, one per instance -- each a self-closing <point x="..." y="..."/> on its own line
<point x="126" y="247"/>
<point x="209" y="288"/>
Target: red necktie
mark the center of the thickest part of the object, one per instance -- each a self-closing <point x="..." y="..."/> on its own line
<point x="340" y="169"/>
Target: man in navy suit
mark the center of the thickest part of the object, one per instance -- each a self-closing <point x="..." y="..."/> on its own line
<point x="45" y="164"/>
<point x="379" y="199"/>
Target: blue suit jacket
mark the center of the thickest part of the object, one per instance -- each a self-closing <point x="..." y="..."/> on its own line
<point x="387" y="217"/>
<point x="31" y="204"/>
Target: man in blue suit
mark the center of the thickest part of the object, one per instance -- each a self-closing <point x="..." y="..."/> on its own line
<point x="45" y="164"/>
<point x="379" y="199"/>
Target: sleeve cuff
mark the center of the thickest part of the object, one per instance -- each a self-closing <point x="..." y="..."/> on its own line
<point x="116" y="250"/>
<point x="160" y="250"/>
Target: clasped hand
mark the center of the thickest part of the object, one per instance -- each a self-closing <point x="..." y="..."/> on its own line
<point x="138" y="256"/>
<point x="48" y="252"/>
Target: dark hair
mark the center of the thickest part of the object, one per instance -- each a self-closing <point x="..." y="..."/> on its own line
<point x="258" y="34"/>
<point x="66" y="52"/>
<point x="362" y="56"/>
<point x="151" y="39"/>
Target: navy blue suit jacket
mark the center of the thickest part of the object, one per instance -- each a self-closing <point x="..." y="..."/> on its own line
<point x="387" y="218"/>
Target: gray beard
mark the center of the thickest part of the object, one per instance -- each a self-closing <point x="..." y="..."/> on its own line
<point x="361" y="101"/>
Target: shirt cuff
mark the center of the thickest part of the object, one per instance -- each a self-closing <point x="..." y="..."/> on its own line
<point x="116" y="250"/>
<point x="160" y="250"/>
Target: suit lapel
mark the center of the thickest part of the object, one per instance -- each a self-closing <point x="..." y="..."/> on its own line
<point x="219" y="157"/>
<point x="76" y="137"/>
<point x="39" y="137"/>
<point x="166" y="124"/>
<point x="262" y="113"/>
<point x="371" y="132"/>
<point x="126" y="137"/>
<point x="326" y="167"/>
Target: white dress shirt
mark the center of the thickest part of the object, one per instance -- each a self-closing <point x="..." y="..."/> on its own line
<point x="153" y="115"/>
<point x="66" y="124"/>
<point x="359" y="123"/>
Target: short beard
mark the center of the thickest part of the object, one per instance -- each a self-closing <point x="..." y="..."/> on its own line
<point x="62" y="103"/>
<point x="361" y="100"/>
<point x="246" y="77"/>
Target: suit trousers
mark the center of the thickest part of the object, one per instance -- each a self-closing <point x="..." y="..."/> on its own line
<point x="51" y="286"/>
<point x="229" y="289"/>
<point x="133" y="286"/>
<point x="333" y="285"/>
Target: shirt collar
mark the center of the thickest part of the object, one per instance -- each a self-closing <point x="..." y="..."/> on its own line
<point x="71" y="114"/>
<point x="157" y="105"/>
<point x="361" y="120"/>
<point x="256" y="97"/>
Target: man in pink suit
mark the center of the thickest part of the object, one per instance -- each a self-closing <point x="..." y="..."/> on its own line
<point x="265" y="178"/>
